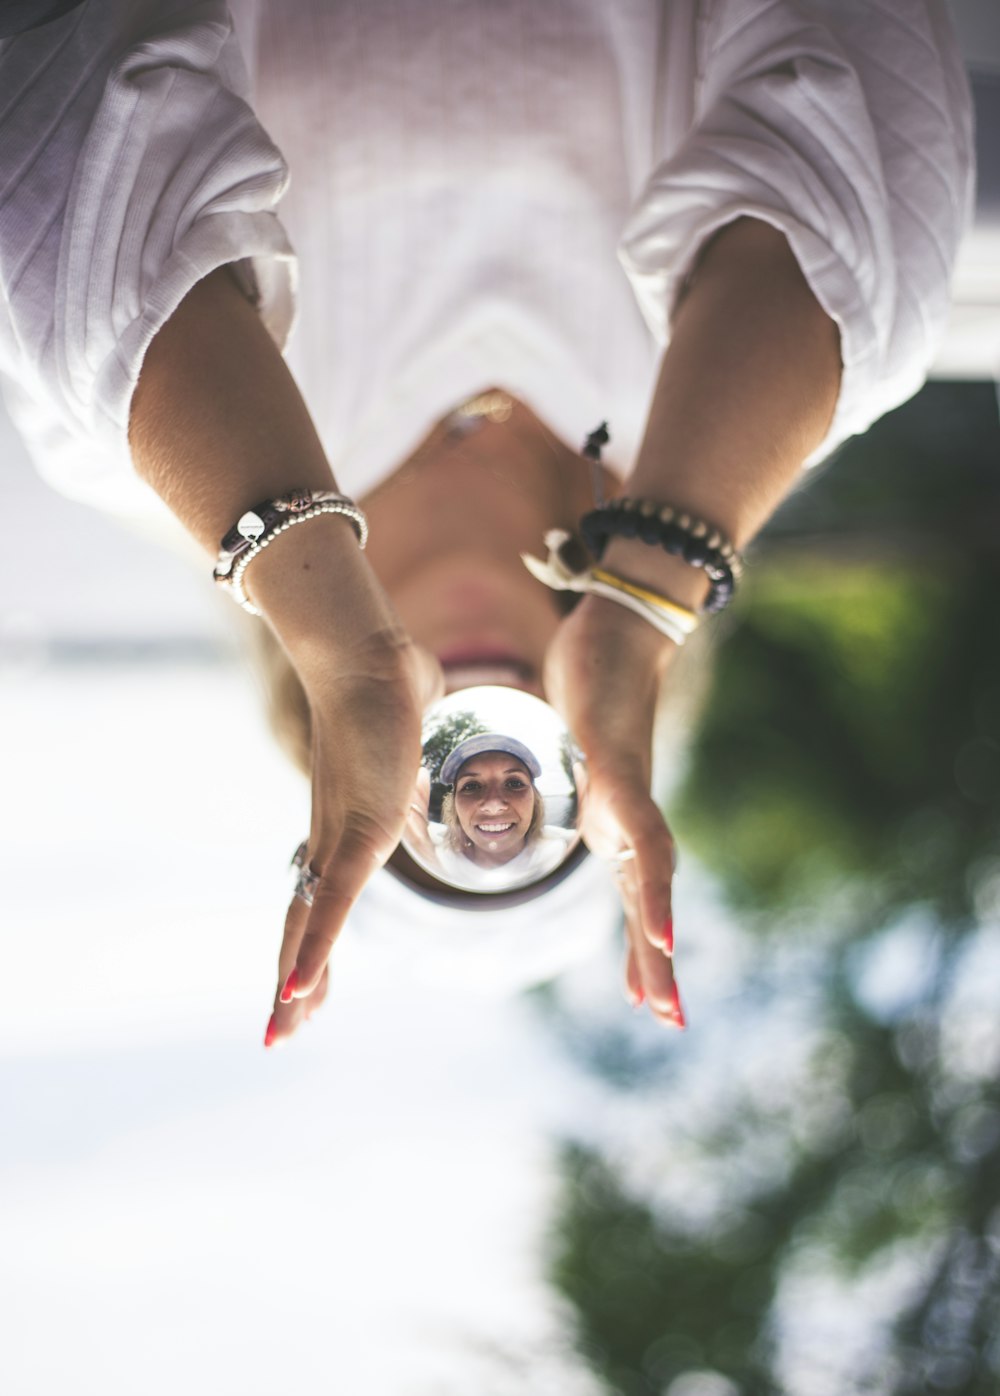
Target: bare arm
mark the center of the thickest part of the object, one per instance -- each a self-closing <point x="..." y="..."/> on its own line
<point x="217" y="424"/>
<point x="746" y="391"/>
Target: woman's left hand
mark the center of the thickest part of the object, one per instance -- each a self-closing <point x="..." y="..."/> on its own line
<point x="367" y="685"/>
<point x="603" y="673"/>
<point x="366" y="705"/>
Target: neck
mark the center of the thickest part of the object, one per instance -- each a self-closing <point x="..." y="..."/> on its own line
<point x="512" y="474"/>
<point x="448" y="528"/>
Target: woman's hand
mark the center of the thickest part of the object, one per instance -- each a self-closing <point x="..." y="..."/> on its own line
<point x="217" y="422"/>
<point x="367" y="685"/>
<point x="747" y="390"/>
<point x="603" y="673"/>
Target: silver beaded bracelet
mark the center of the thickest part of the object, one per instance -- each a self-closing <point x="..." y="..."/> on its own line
<point x="258" y="527"/>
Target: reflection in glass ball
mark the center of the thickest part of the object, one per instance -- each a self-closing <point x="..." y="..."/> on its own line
<point x="497" y="801"/>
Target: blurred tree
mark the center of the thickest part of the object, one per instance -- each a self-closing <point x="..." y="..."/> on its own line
<point x="846" y="775"/>
<point x="853" y="731"/>
<point x="446" y="735"/>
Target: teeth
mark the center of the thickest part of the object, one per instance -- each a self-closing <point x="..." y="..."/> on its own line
<point x="494" y="828"/>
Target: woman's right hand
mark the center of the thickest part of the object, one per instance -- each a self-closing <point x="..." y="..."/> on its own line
<point x="603" y="673"/>
<point x="368" y="685"/>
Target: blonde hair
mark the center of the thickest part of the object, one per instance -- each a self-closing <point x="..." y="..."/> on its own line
<point x="681" y="702"/>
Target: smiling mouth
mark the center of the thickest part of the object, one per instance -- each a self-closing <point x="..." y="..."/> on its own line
<point x="494" y="829"/>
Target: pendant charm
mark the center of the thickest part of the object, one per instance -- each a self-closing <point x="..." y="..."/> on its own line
<point x="250" y="526"/>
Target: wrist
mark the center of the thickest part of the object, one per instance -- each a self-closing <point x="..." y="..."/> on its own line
<point x="317" y="590"/>
<point x="620" y="639"/>
<point x="662" y="572"/>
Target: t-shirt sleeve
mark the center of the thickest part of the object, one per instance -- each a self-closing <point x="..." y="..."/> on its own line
<point x="848" y="126"/>
<point x="131" y="166"/>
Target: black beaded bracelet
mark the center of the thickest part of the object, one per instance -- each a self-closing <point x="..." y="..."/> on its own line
<point x="676" y="532"/>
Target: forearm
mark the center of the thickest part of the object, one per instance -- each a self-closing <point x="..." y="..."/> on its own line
<point x="217" y="424"/>
<point x="217" y="421"/>
<point x="746" y="391"/>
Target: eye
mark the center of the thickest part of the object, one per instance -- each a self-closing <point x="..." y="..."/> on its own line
<point x="472" y="787"/>
<point x="515" y="783"/>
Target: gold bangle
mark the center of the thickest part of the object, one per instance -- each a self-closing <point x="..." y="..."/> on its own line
<point x="687" y="619"/>
<point x="566" y="569"/>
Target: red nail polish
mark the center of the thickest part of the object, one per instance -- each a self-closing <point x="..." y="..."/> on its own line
<point x="668" y="936"/>
<point x="676" y="1012"/>
<point x="289" y="987"/>
<point x="269" y="1034"/>
<point x="638" y="997"/>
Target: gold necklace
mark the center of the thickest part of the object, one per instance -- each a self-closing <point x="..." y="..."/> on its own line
<point x="495" y="405"/>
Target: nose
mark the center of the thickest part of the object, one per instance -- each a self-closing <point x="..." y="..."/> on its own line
<point x="494" y="802"/>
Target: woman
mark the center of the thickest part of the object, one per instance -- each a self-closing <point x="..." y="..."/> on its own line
<point x="493" y="812"/>
<point x="785" y="202"/>
<point x="492" y="833"/>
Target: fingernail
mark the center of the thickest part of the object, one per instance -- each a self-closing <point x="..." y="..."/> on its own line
<point x="676" y="1013"/>
<point x="288" y="988"/>
<point x="269" y="1034"/>
<point x="668" y="936"/>
<point x="637" y="996"/>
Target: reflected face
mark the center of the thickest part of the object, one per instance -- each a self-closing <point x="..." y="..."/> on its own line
<point x="494" y="803"/>
<point x="478" y="822"/>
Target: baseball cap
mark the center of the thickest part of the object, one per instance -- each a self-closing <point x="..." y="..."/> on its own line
<point x="484" y="742"/>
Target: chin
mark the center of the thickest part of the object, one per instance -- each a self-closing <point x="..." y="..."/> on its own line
<point x="505" y="672"/>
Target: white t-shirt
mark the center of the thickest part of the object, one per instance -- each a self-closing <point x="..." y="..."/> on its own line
<point x="483" y="192"/>
<point x="545" y="852"/>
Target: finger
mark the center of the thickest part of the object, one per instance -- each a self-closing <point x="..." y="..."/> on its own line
<point x="634" y="991"/>
<point x="648" y="835"/>
<point x="296" y="918"/>
<point x="287" y="1017"/>
<point x="656" y="973"/>
<point x="338" y="889"/>
<point x="318" y="996"/>
<point x="422" y="788"/>
<point x="284" y="1018"/>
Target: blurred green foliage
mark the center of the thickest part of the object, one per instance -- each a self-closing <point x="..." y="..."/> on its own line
<point x="446" y="734"/>
<point x="438" y="744"/>
<point x="844" y="789"/>
<point x="854" y="731"/>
